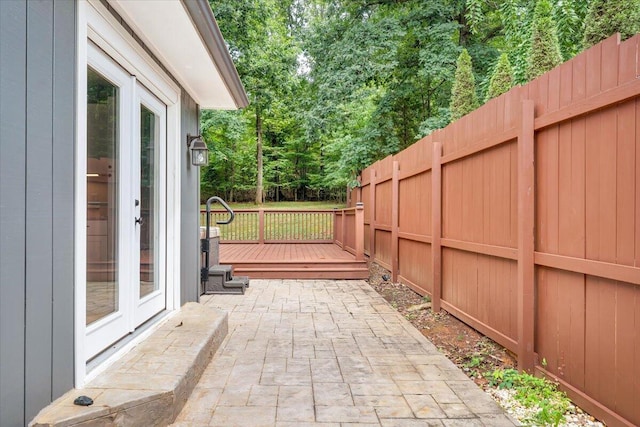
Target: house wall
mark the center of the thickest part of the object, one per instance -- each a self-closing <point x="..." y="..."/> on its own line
<point x="190" y="205"/>
<point x="37" y="138"/>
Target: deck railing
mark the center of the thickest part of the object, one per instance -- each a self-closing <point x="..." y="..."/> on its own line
<point x="344" y="227"/>
<point x="348" y="231"/>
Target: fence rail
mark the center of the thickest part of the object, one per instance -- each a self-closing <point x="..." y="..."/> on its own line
<point x="521" y="219"/>
<point x="289" y="226"/>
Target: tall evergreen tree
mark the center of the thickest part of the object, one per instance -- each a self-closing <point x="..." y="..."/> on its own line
<point x="501" y="79"/>
<point x="463" y="93"/>
<point x="544" y="53"/>
<point x="607" y="17"/>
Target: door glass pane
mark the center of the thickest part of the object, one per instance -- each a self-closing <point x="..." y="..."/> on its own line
<point x="102" y="197"/>
<point x="148" y="196"/>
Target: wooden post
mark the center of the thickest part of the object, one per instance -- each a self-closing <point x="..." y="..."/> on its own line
<point x="395" y="207"/>
<point x="261" y="226"/>
<point x="526" y="224"/>
<point x="348" y="196"/>
<point x="335" y="226"/>
<point x="372" y="215"/>
<point x="359" y="243"/>
<point x="343" y="224"/>
<point x="436" y="225"/>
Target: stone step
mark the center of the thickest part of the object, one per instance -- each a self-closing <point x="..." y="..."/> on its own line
<point x="151" y="383"/>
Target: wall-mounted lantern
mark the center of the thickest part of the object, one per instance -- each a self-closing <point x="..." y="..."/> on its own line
<point x="199" y="150"/>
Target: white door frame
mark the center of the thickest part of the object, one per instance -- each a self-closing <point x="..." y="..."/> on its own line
<point x="97" y="24"/>
<point x="151" y="304"/>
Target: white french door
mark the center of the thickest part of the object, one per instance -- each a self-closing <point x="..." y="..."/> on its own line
<point x="150" y="121"/>
<point x="126" y="199"/>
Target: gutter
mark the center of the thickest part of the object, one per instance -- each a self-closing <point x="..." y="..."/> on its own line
<point x="202" y="17"/>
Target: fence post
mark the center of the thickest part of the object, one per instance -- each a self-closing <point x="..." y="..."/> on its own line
<point x="359" y="243"/>
<point x="526" y="224"/>
<point x="436" y="225"/>
<point x="395" y="206"/>
<point x="261" y="226"/>
<point x="372" y="215"/>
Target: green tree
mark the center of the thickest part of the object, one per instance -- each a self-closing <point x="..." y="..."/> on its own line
<point x="463" y="94"/>
<point x="231" y="172"/>
<point x="544" y="53"/>
<point x="606" y="18"/>
<point x="501" y="79"/>
<point x="265" y="55"/>
<point x="570" y="16"/>
<point x="338" y="84"/>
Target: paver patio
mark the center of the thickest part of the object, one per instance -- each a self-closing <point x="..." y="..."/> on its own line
<point x="329" y="353"/>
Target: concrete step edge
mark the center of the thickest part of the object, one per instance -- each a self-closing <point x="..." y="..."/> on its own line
<point x="127" y="393"/>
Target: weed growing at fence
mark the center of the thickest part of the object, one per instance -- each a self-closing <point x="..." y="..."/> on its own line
<point x="532" y="392"/>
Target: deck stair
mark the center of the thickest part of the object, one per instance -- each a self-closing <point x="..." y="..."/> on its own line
<point x="222" y="281"/>
<point x="301" y="261"/>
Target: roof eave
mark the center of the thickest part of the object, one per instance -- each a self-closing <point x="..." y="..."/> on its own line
<point x="203" y="20"/>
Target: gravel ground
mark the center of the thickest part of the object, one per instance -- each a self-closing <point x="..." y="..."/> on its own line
<point x="472" y="352"/>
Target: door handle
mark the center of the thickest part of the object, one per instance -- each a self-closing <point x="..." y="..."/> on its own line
<point x="139" y="220"/>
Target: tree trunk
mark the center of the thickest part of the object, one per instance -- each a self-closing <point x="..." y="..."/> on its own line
<point x="259" y="185"/>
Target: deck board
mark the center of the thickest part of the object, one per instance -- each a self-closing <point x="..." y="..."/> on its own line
<point x="292" y="261"/>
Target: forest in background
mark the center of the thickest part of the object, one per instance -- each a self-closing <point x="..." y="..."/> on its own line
<point x="335" y="85"/>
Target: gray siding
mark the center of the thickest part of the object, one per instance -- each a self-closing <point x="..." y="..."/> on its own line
<point x="37" y="122"/>
<point x="190" y="186"/>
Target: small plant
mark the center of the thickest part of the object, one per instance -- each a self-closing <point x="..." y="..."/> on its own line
<point x="474" y="362"/>
<point x="532" y="392"/>
<point x="410" y="316"/>
<point x="472" y="366"/>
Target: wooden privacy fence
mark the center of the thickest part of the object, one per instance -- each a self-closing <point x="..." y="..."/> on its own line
<point x="523" y="220"/>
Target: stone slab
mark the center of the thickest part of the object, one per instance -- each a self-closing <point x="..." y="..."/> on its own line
<point x="329" y="353"/>
<point x="151" y="383"/>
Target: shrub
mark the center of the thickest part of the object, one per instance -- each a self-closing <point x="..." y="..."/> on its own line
<point x="607" y="17"/>
<point x="544" y="53"/>
<point x="501" y="79"/>
<point x="463" y="94"/>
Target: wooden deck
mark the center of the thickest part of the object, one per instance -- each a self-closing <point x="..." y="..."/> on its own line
<point x="292" y="261"/>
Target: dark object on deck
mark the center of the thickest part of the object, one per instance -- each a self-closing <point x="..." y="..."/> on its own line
<point x="83" y="401"/>
<point x="219" y="279"/>
<point x="386" y="277"/>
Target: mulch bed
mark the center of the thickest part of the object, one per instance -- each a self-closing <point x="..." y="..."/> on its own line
<point x="478" y="356"/>
<point x="471" y="351"/>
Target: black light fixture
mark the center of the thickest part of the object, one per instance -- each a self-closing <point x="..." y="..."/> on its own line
<point x="199" y="150"/>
